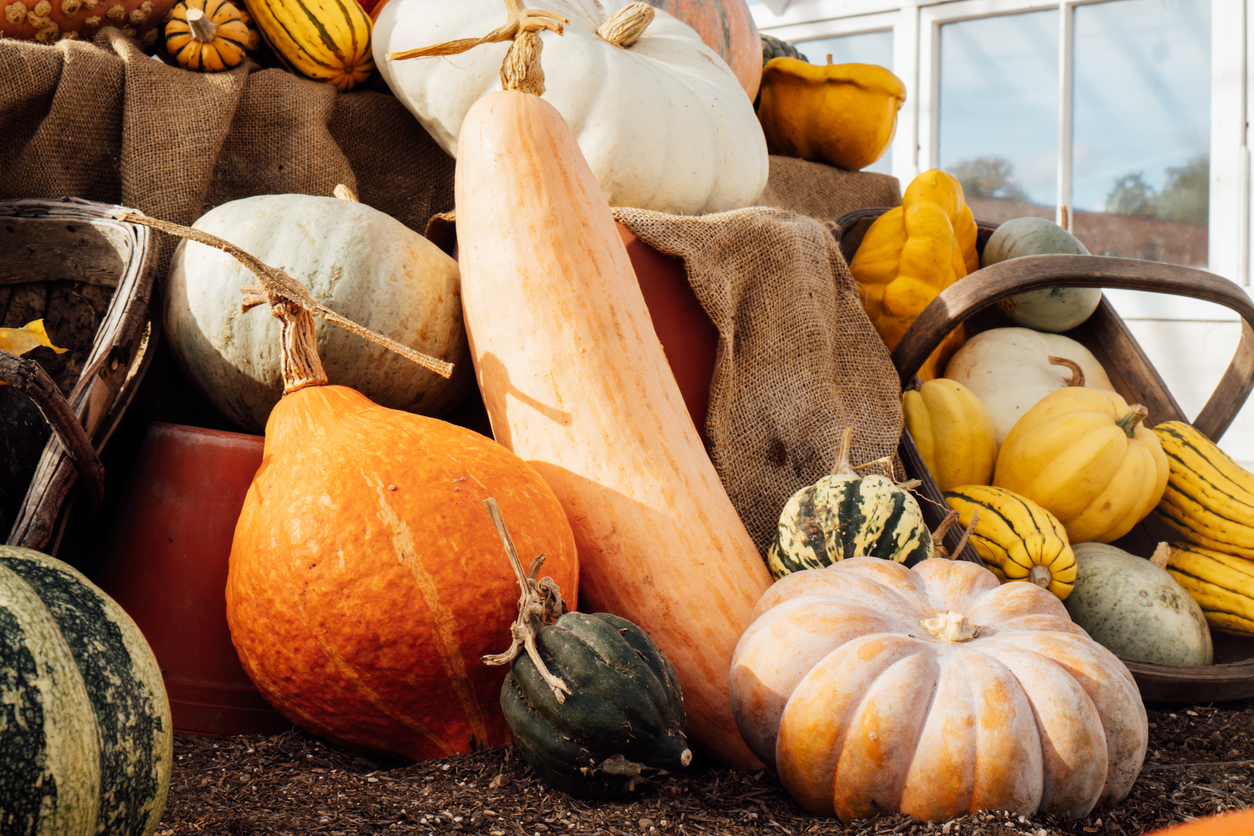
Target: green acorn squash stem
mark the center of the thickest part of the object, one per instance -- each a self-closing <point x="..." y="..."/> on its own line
<point x="539" y="603"/>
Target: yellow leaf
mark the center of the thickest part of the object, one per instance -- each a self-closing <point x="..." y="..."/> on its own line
<point x="27" y="338"/>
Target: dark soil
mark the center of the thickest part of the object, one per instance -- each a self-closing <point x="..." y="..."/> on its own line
<point x="1200" y="761"/>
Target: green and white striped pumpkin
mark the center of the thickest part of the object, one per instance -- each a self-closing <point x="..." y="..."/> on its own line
<point x="85" y="733"/>
<point x="845" y="515"/>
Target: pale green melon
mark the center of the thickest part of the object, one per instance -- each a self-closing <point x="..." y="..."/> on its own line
<point x="1052" y="309"/>
<point x="1135" y="609"/>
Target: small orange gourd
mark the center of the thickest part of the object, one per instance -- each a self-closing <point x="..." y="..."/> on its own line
<point x="209" y="35"/>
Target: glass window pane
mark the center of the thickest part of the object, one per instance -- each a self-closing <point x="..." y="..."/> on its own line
<point x="1140" y="156"/>
<point x="863" y="48"/>
<point x="998" y="110"/>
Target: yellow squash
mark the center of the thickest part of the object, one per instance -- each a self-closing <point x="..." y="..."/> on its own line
<point x="209" y="35"/>
<point x="1083" y="455"/>
<point x="1015" y="537"/>
<point x="953" y="432"/>
<point x="1209" y="497"/>
<point x="326" y="40"/>
<point x="1222" y="584"/>
<point x="910" y="254"/>
<point x="840" y="114"/>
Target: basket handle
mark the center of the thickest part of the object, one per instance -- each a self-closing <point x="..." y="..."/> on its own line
<point x="985" y="287"/>
<point x="30" y="378"/>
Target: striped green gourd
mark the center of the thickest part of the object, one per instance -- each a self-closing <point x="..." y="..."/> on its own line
<point x="846" y="515"/>
<point x="85" y="733"/>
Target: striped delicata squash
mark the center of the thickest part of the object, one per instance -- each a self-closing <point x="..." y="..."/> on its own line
<point x="1015" y="537"/>
<point x="846" y="515"/>
<point x="325" y="40"/>
<point x="1222" y="584"/>
<point x="1209" y="497"/>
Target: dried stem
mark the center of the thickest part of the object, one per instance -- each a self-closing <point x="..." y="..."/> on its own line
<point x="277" y="287"/>
<point x="539" y="603"/>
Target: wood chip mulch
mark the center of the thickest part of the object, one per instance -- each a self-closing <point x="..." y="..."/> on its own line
<point x="1200" y="761"/>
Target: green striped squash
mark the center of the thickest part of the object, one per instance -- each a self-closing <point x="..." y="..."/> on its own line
<point x="85" y="732"/>
<point x="845" y="515"/>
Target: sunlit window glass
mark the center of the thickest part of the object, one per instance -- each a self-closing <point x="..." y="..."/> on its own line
<point x="863" y="48"/>
<point x="998" y="112"/>
<point x="1140" y="156"/>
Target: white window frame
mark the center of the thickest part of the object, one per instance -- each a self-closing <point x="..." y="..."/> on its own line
<point x="915" y="25"/>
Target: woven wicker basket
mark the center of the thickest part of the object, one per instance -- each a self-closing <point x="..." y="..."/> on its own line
<point x="973" y="301"/>
<point x="90" y="277"/>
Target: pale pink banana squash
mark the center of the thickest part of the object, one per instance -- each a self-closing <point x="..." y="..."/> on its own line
<point x="863" y="710"/>
<point x="576" y="383"/>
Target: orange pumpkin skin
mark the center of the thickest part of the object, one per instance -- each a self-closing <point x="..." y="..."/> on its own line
<point x="727" y="27"/>
<point x="862" y="710"/>
<point x="47" y="21"/>
<point x="367" y="580"/>
<point x="1222" y="824"/>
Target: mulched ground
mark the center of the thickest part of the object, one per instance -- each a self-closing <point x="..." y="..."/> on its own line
<point x="1200" y="761"/>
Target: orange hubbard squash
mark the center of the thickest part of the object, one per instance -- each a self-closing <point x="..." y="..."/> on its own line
<point x="366" y="583"/>
<point x="576" y="383"/>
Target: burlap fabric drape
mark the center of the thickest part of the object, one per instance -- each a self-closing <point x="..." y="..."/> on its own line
<point x="797" y="359"/>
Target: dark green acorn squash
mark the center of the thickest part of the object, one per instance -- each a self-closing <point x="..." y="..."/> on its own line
<point x="773" y="47"/>
<point x="621" y="725"/>
<point x="845" y="515"/>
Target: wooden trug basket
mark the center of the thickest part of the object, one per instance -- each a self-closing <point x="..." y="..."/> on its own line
<point x="71" y="260"/>
<point x="973" y="301"/>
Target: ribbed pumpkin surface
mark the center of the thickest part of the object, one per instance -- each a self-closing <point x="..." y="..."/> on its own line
<point x="85" y="731"/>
<point x="367" y="579"/>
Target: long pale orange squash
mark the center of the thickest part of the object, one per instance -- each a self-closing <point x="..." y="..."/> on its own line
<point x="576" y="383"/>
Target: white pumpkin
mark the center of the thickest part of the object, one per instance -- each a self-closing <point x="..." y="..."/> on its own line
<point x="664" y="124"/>
<point x="1009" y="370"/>
<point x="361" y="263"/>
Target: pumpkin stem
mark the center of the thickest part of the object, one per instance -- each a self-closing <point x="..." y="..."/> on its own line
<point x="345" y="193"/>
<point x="938" y="536"/>
<point x="1077" y="373"/>
<point x="627" y="25"/>
<point x="1161" y="555"/>
<point x="1136" y="414"/>
<point x="843" y="468"/>
<point x="277" y="287"/>
<point x="521" y="69"/>
<point x="951" y="627"/>
<point x="1041" y="576"/>
<point x="539" y="603"/>
<point x="299" y="361"/>
<point x="202" y="29"/>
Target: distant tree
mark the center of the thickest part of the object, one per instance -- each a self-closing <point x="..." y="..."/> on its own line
<point x="988" y="177"/>
<point x="1131" y="195"/>
<point x="1186" y="194"/>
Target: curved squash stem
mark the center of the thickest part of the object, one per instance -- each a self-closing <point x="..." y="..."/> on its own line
<point x="1136" y="414"/>
<point x="277" y="288"/>
<point x="938" y="536"/>
<point x="539" y="603"/>
<point x="521" y="69"/>
<point x="1077" y="373"/>
<point x="299" y="362"/>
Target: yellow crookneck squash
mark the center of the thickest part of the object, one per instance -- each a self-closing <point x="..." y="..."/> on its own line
<point x="910" y="254"/>
<point x="576" y="383"/>
<point x="1084" y="456"/>
<point x="840" y="114"/>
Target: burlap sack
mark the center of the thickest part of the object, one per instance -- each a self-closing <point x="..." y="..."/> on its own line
<point x="824" y="192"/>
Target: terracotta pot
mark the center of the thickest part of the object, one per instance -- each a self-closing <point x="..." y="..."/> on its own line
<point x="165" y="563"/>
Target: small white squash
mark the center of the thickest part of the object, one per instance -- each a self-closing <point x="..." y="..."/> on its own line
<point x="1010" y="369"/>
<point x="663" y="123"/>
<point x="1135" y="608"/>
<point x="361" y="263"/>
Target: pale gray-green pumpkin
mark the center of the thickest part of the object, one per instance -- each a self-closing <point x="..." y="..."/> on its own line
<point x="846" y="515"/>
<point x="1051" y="309"/>
<point x="86" y="739"/>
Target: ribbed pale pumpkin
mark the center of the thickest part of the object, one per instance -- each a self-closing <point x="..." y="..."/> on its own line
<point x="86" y="740"/>
<point x="910" y="254"/>
<point x="846" y="515"/>
<point x="662" y="122"/>
<point x="1015" y="537"/>
<point x="727" y="27"/>
<point x="839" y="114"/>
<point x="952" y="431"/>
<point x="366" y="582"/>
<point x="1084" y="456"/>
<point x="1209" y="497"/>
<point x="935" y="692"/>
<point x="576" y="383"/>
<point x="325" y="40"/>
<point x="360" y="262"/>
<point x="209" y="35"/>
<point x="1010" y="369"/>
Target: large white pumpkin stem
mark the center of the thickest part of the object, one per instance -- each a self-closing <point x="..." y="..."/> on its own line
<point x="951" y="627"/>
<point x="627" y="25"/>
